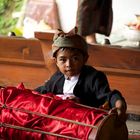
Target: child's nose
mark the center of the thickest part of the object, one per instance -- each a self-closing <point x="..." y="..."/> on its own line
<point x="68" y="62"/>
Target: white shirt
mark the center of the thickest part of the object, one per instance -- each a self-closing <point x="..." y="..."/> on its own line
<point x="68" y="87"/>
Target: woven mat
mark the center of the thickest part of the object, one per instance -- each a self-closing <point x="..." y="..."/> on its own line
<point x="133" y="117"/>
<point x="133" y="133"/>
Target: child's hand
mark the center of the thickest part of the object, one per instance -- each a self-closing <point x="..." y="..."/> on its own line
<point x="121" y="115"/>
<point x="73" y="98"/>
<point x="120" y="109"/>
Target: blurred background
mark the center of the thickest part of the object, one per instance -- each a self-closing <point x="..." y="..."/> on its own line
<point x="26" y="16"/>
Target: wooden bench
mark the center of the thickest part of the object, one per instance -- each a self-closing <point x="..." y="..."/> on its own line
<point x="122" y="67"/>
<point x="21" y="60"/>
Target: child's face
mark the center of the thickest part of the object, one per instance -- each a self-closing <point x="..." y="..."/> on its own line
<point x="69" y="61"/>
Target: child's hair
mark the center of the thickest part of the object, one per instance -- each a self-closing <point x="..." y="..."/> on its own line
<point x="67" y="48"/>
<point x="69" y="40"/>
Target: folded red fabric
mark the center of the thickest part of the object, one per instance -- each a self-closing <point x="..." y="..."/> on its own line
<point x="26" y="114"/>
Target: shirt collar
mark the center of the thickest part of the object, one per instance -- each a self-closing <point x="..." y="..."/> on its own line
<point x="73" y="78"/>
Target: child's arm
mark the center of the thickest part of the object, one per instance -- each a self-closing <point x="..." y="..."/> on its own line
<point x="120" y="105"/>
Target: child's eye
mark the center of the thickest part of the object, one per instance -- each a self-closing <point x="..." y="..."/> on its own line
<point x="62" y="59"/>
<point x="75" y="58"/>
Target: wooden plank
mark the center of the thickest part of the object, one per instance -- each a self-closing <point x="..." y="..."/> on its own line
<point x="113" y="57"/>
<point x="20" y="48"/>
<point x="123" y="72"/>
<point x="22" y="62"/>
<point x="32" y="77"/>
<point x="44" y="35"/>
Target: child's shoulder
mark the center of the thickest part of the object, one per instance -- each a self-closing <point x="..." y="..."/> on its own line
<point x="90" y="70"/>
<point x="56" y="76"/>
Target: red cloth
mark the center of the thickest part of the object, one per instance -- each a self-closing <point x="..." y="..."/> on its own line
<point x="19" y="107"/>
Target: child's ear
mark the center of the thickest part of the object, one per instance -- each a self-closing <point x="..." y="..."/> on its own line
<point x="54" y="59"/>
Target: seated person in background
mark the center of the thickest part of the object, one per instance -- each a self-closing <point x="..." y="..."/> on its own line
<point x="77" y="81"/>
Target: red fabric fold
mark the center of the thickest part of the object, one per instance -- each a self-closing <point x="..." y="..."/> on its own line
<point x="26" y="108"/>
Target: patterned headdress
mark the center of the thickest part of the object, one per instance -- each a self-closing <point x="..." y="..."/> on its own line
<point x="70" y="39"/>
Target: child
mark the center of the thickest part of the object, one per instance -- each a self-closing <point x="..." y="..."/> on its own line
<point x="77" y="81"/>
